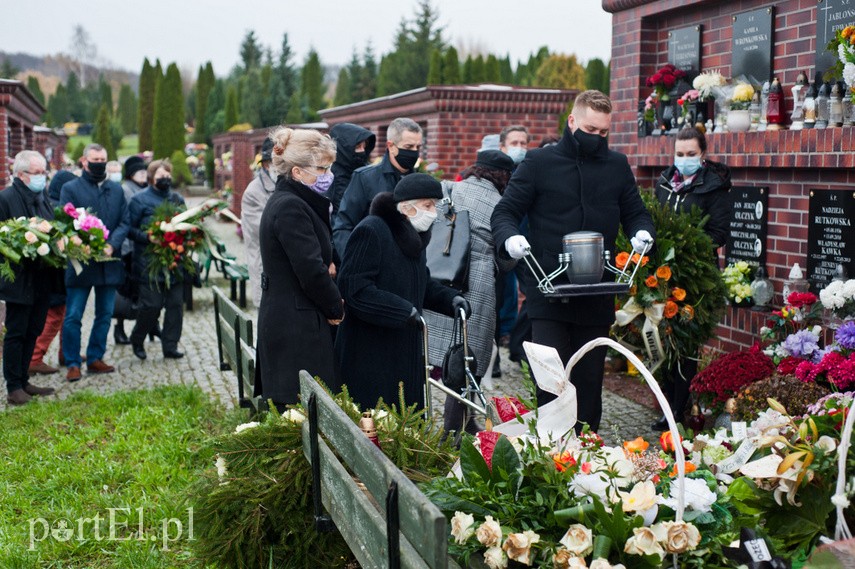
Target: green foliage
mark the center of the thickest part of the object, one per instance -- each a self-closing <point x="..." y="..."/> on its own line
<point x="434" y="76"/>
<point x="250" y="51"/>
<point x="205" y="83"/>
<point x="77" y="104"/>
<point x="260" y="514"/>
<point x="312" y="84"/>
<point x="342" y="88"/>
<point x="168" y="128"/>
<point x="101" y="134"/>
<point x="525" y="73"/>
<point x="363" y="77"/>
<point x="57" y="107"/>
<point x="36" y="89"/>
<point x="181" y="175"/>
<point x="407" y="66"/>
<point x="467" y="70"/>
<point x="492" y="72"/>
<point x="105" y="95"/>
<point x="451" y="67"/>
<point x="209" y="167"/>
<point x="479" y="70"/>
<point x="560" y="72"/>
<point x="231" y="117"/>
<point x="126" y="110"/>
<point x="117" y="134"/>
<point x="597" y="76"/>
<point x="505" y="71"/>
<point x="150" y="77"/>
<point x="295" y="110"/>
<point x="77" y="151"/>
<point x="8" y="69"/>
<point x="252" y="99"/>
<point x="81" y="456"/>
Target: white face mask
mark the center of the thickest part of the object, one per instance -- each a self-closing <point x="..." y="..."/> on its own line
<point x="115" y="177"/>
<point x="422" y="220"/>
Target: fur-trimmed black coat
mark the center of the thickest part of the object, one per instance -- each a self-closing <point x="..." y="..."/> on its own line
<point x="298" y="295"/>
<point x="383" y="276"/>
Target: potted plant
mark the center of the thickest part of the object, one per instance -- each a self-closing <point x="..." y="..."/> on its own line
<point x="738" y="116"/>
<point x="663" y="82"/>
<point x="708" y="84"/>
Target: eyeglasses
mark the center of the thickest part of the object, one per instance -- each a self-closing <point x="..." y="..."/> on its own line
<point x="324" y="168"/>
<point x="28" y="173"/>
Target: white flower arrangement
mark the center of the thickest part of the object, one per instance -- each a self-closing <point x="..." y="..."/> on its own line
<point x="839" y="297"/>
<point x="707" y="81"/>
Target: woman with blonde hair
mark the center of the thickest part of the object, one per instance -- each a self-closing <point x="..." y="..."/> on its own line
<point x="299" y="299"/>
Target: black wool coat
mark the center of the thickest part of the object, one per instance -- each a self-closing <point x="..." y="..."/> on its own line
<point x="298" y="295"/>
<point x="383" y="276"/>
<point x="708" y="190"/>
<point x="563" y="190"/>
<point x="34" y="281"/>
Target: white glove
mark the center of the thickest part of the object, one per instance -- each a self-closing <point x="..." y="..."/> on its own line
<point x="642" y="238"/>
<point x="517" y="246"/>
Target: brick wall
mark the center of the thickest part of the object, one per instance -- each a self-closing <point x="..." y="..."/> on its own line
<point x="19" y="111"/>
<point x="790" y="163"/>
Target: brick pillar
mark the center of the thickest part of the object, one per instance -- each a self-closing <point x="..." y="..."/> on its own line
<point x="29" y="143"/>
<point x="4" y="145"/>
<point x="242" y="156"/>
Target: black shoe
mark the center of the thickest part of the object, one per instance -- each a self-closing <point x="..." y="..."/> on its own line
<point x="155" y="332"/>
<point x="660" y="425"/>
<point x="119" y="335"/>
<point x="139" y="351"/>
<point x="173" y="354"/>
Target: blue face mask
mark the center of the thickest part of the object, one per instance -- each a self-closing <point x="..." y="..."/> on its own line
<point x="37" y="183"/>
<point x="687" y="165"/>
<point x="517" y="153"/>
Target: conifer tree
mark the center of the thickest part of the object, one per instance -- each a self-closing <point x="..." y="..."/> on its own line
<point x="560" y="72"/>
<point x="76" y="103"/>
<point x="492" y="72"/>
<point x="597" y="76"/>
<point x="232" y="113"/>
<point x="434" y="76"/>
<point x="101" y="134"/>
<point x="250" y="104"/>
<point x="204" y="86"/>
<point x="105" y="94"/>
<point x="181" y="175"/>
<point x="342" y="88"/>
<point x="36" y="89"/>
<point x="451" y="67"/>
<point x="312" y="84"/>
<point x="295" y="110"/>
<point x="479" y="72"/>
<point x="127" y="109"/>
<point x="505" y="71"/>
<point x="468" y="76"/>
<point x="149" y="78"/>
<point x="168" y="128"/>
<point x="58" y="107"/>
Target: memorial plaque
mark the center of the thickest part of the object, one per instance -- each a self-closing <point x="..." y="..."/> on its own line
<point x="830" y="236"/>
<point x="684" y="50"/>
<point x="831" y="16"/>
<point x="748" y="226"/>
<point x="752" y="44"/>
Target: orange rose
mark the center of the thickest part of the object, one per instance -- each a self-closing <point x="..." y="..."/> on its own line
<point x="644" y="260"/>
<point x="651" y="281"/>
<point x="622" y="259"/>
<point x="638" y="445"/>
<point x="632" y="290"/>
<point x="847" y="31"/>
<point x="666" y="441"/>
<point x="663" y="272"/>
<point x="563" y="461"/>
<point x="687" y="312"/>
<point x="690" y="467"/>
<point x="678" y="294"/>
<point x="671" y="309"/>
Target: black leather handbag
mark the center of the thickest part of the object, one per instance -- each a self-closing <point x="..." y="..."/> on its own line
<point x="453" y="363"/>
<point x="448" y="250"/>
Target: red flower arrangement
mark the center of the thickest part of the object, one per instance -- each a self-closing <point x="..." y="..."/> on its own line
<point x="724" y="377"/>
<point x="664" y="80"/>
<point x="834" y="368"/>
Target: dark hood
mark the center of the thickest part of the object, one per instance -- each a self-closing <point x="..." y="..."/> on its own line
<point x="347" y="136"/>
<point x="56" y="184"/>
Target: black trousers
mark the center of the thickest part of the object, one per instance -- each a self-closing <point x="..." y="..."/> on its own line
<point x="676" y="386"/>
<point x="151" y="300"/>
<point x="587" y="375"/>
<point x="24" y="323"/>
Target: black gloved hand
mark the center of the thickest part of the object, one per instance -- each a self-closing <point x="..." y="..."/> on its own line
<point x="459" y="302"/>
<point x="415" y="319"/>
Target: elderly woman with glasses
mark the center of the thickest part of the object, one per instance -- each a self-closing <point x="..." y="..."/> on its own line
<point x="299" y="299"/>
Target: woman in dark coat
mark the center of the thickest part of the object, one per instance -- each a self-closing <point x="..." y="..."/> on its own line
<point x="386" y="284"/>
<point x="299" y="300"/>
<point x="693" y="181"/>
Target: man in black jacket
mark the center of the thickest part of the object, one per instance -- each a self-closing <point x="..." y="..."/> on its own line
<point x="575" y="185"/>
<point x="403" y="143"/>
<point x="27" y="296"/>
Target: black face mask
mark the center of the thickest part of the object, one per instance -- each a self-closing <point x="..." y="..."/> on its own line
<point x="591" y="144"/>
<point x="163" y="184"/>
<point x="97" y="171"/>
<point x="407" y="159"/>
<point x="361" y="157"/>
<point x="140" y="184"/>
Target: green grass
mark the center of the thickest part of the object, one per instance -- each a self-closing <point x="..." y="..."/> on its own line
<point x="128" y="146"/>
<point x="76" y="459"/>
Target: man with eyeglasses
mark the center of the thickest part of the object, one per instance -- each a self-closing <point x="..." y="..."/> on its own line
<point x="27" y="296"/>
<point x="403" y="144"/>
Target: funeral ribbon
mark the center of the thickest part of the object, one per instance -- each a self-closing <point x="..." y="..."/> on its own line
<point x="653" y="315"/>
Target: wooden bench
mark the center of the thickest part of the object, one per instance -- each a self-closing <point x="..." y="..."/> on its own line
<point x="237" y="276"/>
<point x="236" y="349"/>
<point x="236" y="273"/>
<point x="406" y="530"/>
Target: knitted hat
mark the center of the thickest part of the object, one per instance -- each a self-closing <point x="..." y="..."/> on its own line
<point x="417" y="186"/>
<point x="133" y="165"/>
<point x="494" y="160"/>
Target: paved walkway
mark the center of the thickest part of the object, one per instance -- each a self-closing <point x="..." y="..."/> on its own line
<point x="622" y="418"/>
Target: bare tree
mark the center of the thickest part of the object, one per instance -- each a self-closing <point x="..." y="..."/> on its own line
<point x="83" y="51"/>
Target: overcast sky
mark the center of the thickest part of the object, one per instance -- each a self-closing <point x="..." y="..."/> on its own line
<point x="191" y="32"/>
